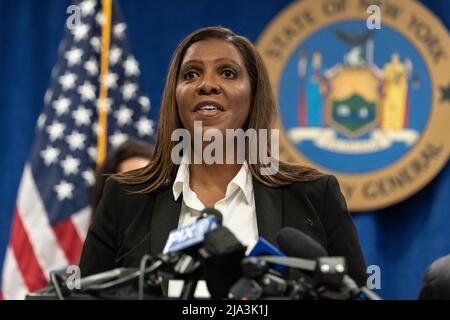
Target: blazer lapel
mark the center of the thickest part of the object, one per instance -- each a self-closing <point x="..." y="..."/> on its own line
<point x="268" y="203"/>
<point x="165" y="217"/>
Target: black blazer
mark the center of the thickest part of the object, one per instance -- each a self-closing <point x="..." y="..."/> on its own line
<point x="127" y="226"/>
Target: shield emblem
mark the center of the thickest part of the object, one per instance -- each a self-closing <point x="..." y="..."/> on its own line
<point x="353" y="100"/>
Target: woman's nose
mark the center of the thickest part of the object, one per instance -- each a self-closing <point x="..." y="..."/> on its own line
<point x="208" y="86"/>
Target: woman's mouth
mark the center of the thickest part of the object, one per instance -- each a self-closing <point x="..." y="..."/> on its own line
<point x="208" y="109"/>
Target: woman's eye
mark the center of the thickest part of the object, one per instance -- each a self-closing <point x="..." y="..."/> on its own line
<point x="229" y="74"/>
<point x="190" y="75"/>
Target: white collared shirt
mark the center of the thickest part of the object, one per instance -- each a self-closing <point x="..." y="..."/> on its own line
<point x="237" y="208"/>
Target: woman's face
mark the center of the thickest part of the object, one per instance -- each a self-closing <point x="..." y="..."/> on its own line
<point x="213" y="86"/>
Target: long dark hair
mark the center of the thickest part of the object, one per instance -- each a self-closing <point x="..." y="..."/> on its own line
<point x="161" y="169"/>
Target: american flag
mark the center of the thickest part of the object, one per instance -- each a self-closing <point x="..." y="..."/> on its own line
<point x="52" y="209"/>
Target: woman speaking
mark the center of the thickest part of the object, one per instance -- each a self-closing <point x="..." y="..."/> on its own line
<point x="217" y="79"/>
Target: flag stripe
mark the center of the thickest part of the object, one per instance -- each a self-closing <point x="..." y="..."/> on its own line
<point x="37" y="225"/>
<point x="68" y="240"/>
<point x="81" y="220"/>
<point x="13" y="286"/>
<point x="25" y="257"/>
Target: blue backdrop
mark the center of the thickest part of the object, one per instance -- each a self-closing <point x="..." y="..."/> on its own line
<point x="403" y="240"/>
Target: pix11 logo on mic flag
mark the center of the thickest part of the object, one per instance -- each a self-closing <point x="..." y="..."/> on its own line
<point x="190" y="235"/>
<point x="52" y="210"/>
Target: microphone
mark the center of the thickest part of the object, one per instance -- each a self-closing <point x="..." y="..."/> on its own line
<point x="295" y="243"/>
<point x="264" y="247"/>
<point x="214" y="253"/>
<point x="182" y="249"/>
<point x="330" y="271"/>
<point x="189" y="238"/>
<point x="436" y="280"/>
<point x="258" y="278"/>
<point x="222" y="254"/>
<point x="180" y="254"/>
<point x="205" y="213"/>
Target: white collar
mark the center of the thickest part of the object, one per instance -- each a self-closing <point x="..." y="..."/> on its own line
<point x="242" y="180"/>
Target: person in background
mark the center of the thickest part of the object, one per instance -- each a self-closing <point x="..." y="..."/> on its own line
<point x="130" y="155"/>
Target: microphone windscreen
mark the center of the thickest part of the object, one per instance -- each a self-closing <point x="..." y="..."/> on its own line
<point x="222" y="241"/>
<point x="223" y="266"/>
<point x="211" y="212"/>
<point x="295" y="243"/>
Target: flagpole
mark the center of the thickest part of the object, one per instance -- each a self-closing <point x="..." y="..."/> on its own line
<point x="102" y="112"/>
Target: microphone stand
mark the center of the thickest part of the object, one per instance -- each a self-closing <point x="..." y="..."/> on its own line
<point x="190" y="271"/>
<point x="189" y="288"/>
